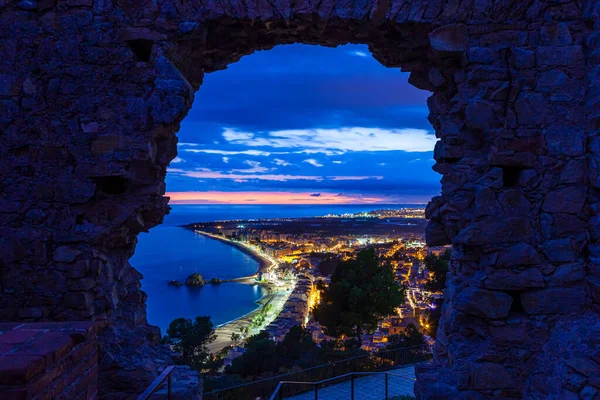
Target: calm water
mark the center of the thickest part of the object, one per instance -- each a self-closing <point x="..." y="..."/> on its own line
<point x="169" y="252"/>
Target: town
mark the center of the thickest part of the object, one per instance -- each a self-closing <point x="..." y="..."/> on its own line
<point x="301" y="254"/>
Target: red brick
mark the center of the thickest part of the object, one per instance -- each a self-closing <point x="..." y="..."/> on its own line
<point x="59" y="387"/>
<point x="83" y="350"/>
<point x="13" y="394"/>
<point x="18" y="336"/>
<point x="5" y="348"/>
<point x="45" y="395"/>
<point x="51" y="345"/>
<point x="8" y="326"/>
<point x="15" y="368"/>
<point x="90" y="378"/>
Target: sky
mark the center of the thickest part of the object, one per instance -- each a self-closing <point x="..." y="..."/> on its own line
<point x="302" y="124"/>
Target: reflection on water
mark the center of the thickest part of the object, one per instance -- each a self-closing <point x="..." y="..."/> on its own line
<point x="169" y="252"/>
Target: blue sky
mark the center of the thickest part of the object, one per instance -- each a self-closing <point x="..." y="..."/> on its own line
<point x="311" y="123"/>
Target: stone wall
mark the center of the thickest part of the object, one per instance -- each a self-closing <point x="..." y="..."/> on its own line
<point x="92" y="93"/>
<point x="49" y="360"/>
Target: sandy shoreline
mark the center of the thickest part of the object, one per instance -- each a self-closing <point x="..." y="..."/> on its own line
<point x="273" y="294"/>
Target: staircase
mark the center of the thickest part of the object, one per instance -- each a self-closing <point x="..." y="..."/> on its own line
<point x="387" y="385"/>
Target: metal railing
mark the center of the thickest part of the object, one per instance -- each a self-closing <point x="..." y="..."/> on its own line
<point x="328" y="383"/>
<point x="381" y="361"/>
<point x="166" y="374"/>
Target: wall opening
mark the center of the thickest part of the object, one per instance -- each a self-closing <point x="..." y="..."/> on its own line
<point x="295" y="131"/>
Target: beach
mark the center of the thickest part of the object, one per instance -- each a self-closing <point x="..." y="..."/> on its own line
<point x="274" y="295"/>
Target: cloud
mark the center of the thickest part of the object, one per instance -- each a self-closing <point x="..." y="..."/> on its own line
<point x="358" y="53"/>
<point x="316" y="195"/>
<point x="182" y="144"/>
<point x="279" y="161"/>
<point x="254" y="168"/>
<point x="247" y="174"/>
<point x="381" y="164"/>
<point x="339" y="139"/>
<point x="231" y="135"/>
<point x="226" y="160"/>
<point x="230" y="152"/>
<point x="354" y="178"/>
<point x="177" y="160"/>
<point x="204" y="173"/>
<point x="312" y="161"/>
<point x="337" y="162"/>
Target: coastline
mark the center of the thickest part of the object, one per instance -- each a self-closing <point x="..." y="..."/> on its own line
<point x="276" y="295"/>
<point x="263" y="263"/>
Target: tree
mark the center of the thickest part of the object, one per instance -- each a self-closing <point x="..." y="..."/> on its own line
<point x="361" y="293"/>
<point x="410" y="337"/>
<point x="255" y="338"/>
<point x="235" y="337"/>
<point x="190" y="338"/>
<point x="438" y="266"/>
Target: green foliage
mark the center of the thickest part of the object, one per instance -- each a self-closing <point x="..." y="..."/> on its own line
<point x="264" y="357"/>
<point x="410" y="337"/>
<point x="361" y="293"/>
<point x="255" y="338"/>
<point x="260" y="316"/>
<point x="189" y="338"/>
<point x="438" y="265"/>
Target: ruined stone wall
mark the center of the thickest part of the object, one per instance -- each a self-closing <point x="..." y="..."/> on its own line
<point x="92" y="93"/>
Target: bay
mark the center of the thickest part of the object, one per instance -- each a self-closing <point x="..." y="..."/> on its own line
<point x="170" y="252"/>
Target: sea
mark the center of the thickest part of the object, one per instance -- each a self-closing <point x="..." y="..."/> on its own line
<point x="170" y="252"/>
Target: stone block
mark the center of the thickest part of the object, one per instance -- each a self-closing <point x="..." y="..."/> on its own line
<point x="559" y="251"/>
<point x="522" y="58"/>
<point x="78" y="300"/>
<point x="82" y="284"/>
<point x="479" y="114"/>
<point x="436" y="235"/>
<point x="565" y="140"/>
<point x="518" y="255"/>
<point x="584" y="366"/>
<point x="554" y="300"/>
<point x="567" y="274"/>
<point x="589" y="393"/>
<point x="509" y="280"/>
<point x="488" y="376"/>
<point x="494" y="232"/>
<point x="555" y="35"/>
<point x="66" y="254"/>
<point x="105" y="144"/>
<point x="450" y="38"/>
<point x="595" y="289"/>
<point x="483" y="303"/>
<point x="548" y="56"/>
<point x="565" y="200"/>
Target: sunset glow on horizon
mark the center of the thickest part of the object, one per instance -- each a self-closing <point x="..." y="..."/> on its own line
<point x="254" y="197"/>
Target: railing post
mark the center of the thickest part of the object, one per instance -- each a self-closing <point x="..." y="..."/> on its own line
<point x="316" y="392"/>
<point x="386" y="386"/>
<point x="352" y="386"/>
<point x="169" y="387"/>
